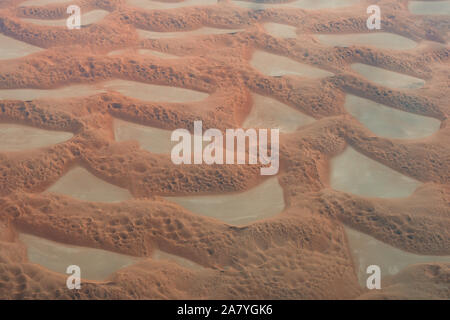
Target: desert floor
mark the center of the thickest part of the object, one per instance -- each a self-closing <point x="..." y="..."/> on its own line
<point x="86" y="176"/>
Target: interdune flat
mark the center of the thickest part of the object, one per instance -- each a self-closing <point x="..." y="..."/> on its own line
<point x="63" y="92"/>
<point x="42" y="2"/>
<point x="86" y="19"/>
<point x="158" y="54"/>
<point x="301" y="4"/>
<point x="382" y="40"/>
<point x="429" y="7"/>
<point x="15" y="137"/>
<point x="367" y="251"/>
<point x="389" y="122"/>
<point x="263" y="201"/>
<point x="95" y="264"/>
<point x="146" y="34"/>
<point x="276" y="65"/>
<point x="268" y="113"/>
<point x="153" y="92"/>
<point x="279" y="30"/>
<point x="355" y="173"/>
<point x="80" y="184"/>
<point x="161" y="5"/>
<point x="388" y="78"/>
<point x="11" y="48"/>
<point x="152" y="139"/>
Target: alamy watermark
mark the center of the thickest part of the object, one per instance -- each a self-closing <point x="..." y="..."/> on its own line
<point x="374" y="280"/>
<point x="74" y="280"/>
<point x="374" y="20"/>
<point x="233" y="144"/>
<point x="74" y="21"/>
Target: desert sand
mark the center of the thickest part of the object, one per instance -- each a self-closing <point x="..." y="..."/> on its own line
<point x="67" y="81"/>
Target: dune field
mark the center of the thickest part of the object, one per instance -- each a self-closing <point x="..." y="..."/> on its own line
<point x="86" y="176"/>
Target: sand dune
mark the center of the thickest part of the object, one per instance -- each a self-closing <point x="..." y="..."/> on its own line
<point x="90" y="170"/>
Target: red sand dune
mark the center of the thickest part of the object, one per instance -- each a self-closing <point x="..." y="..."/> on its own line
<point x="301" y="253"/>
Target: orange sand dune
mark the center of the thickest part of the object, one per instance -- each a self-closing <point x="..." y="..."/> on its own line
<point x="300" y="253"/>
